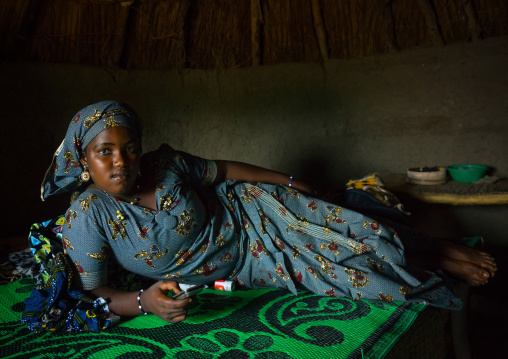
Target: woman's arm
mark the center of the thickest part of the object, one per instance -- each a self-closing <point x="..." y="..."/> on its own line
<point x="240" y="171"/>
<point x="153" y="300"/>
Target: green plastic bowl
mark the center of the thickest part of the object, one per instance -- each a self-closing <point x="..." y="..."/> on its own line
<point x="467" y="173"/>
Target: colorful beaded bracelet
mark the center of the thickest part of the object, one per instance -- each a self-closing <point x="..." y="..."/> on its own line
<point x="139" y="303"/>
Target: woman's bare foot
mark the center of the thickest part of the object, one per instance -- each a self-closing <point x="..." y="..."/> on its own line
<point x="464" y="271"/>
<point x="469" y="255"/>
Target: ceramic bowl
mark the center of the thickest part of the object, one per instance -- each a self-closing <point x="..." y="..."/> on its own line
<point x="426" y="175"/>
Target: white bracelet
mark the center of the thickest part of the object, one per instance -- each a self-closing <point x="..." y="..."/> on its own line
<point x="139" y="303"/>
<point x="290" y="181"/>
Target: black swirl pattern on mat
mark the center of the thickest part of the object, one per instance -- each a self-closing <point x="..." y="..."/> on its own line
<point x="253" y="328"/>
<point x="287" y="317"/>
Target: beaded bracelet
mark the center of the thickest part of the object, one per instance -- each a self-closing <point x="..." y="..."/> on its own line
<point x="291" y="181"/>
<point x="139" y="303"/>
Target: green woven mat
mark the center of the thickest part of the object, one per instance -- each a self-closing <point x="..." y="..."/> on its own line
<point x="257" y="324"/>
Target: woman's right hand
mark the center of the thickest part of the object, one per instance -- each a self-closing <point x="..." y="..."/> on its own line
<point x="156" y="301"/>
<point x="153" y="300"/>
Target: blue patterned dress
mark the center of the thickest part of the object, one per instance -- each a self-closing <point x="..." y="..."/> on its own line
<point x="258" y="235"/>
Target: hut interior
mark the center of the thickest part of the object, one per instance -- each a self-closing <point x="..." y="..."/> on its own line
<point x="327" y="90"/>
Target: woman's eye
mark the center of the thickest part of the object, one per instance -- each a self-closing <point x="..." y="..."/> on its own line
<point x="132" y="149"/>
<point x="104" y="151"/>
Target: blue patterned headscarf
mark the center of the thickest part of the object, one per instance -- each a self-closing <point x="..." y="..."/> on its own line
<point x="64" y="173"/>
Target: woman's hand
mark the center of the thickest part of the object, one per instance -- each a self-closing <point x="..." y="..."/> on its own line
<point x="153" y="300"/>
<point x="305" y="188"/>
<point x="156" y="301"/>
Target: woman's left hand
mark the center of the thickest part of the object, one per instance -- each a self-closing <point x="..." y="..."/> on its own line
<point x="231" y="170"/>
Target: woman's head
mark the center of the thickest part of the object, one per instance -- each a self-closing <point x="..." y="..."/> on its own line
<point x="67" y="166"/>
<point x="112" y="158"/>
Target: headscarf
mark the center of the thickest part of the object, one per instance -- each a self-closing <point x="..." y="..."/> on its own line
<point x="64" y="173"/>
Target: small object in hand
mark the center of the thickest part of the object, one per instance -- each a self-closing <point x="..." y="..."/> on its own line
<point x="224" y="285"/>
<point x="189" y="292"/>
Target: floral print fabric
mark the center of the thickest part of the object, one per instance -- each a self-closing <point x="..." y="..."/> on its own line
<point x="298" y="242"/>
<point x="258" y="235"/>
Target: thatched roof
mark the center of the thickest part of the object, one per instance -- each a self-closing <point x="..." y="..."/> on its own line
<point x="224" y="34"/>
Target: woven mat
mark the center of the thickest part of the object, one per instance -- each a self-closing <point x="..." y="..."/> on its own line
<point x="240" y="324"/>
<point x="500" y="186"/>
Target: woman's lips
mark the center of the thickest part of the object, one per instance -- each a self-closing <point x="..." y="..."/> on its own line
<point x="120" y="176"/>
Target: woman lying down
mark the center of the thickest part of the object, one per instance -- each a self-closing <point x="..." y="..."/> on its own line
<point x="177" y="218"/>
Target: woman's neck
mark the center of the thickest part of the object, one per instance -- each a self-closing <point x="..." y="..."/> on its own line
<point x="142" y="193"/>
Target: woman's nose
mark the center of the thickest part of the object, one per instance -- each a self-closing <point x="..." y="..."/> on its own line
<point x="119" y="159"/>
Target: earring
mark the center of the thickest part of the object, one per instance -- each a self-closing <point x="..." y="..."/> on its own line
<point x="85" y="175"/>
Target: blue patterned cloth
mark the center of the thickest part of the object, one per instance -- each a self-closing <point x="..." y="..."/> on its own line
<point x="258" y="235"/>
<point x="45" y="242"/>
<point x="58" y="305"/>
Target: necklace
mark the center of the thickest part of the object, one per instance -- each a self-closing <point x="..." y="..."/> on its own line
<point x="136" y="197"/>
<point x="136" y="200"/>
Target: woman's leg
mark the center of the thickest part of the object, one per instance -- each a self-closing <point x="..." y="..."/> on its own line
<point x="462" y="253"/>
<point x="471" y="266"/>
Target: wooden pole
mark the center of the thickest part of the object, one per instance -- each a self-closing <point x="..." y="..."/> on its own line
<point x="431" y="21"/>
<point x="472" y="21"/>
<point x="255" y="26"/>
<point x="389" y="25"/>
<point x="26" y="31"/>
<point x="118" y="41"/>
<point x="182" y="15"/>
<point x="320" y="29"/>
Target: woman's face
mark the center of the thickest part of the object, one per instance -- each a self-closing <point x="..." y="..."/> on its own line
<point x="113" y="158"/>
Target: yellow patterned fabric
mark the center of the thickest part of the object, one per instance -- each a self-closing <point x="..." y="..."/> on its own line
<point x="374" y="185"/>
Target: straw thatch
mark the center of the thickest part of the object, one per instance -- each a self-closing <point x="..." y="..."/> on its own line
<point x="225" y="34"/>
